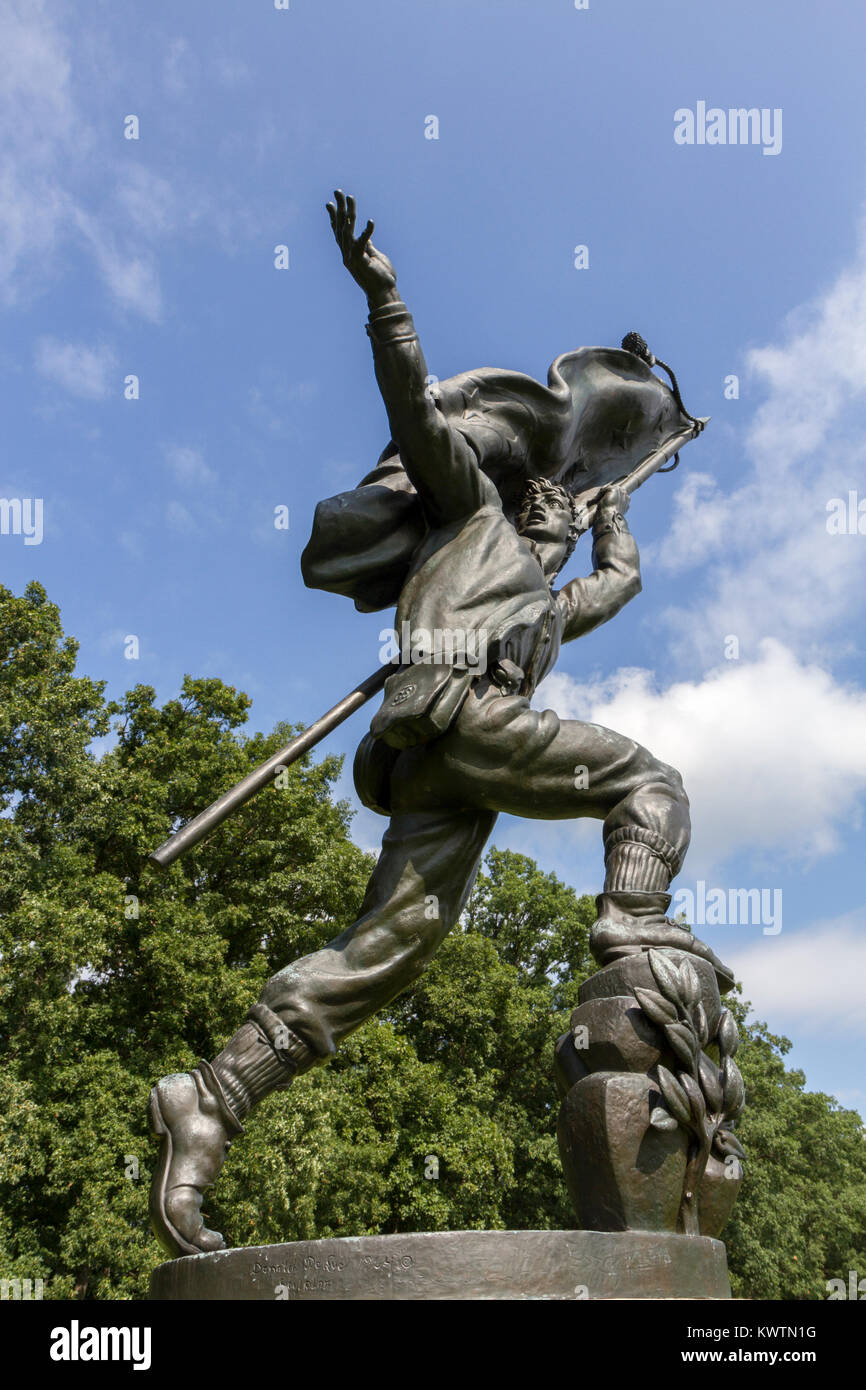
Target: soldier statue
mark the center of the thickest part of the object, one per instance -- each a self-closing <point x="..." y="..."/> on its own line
<point x="471" y="514"/>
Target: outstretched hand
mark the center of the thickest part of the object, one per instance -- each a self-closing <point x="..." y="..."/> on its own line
<point x="368" y="267"/>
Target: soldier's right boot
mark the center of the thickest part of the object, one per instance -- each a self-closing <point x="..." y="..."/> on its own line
<point x="632" y="909"/>
<point x="197" y="1114"/>
<point x="629" y="923"/>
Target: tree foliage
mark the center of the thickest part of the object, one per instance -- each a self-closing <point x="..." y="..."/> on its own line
<point x="439" y="1114"/>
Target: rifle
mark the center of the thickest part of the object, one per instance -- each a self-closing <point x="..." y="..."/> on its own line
<point x="214" y="815"/>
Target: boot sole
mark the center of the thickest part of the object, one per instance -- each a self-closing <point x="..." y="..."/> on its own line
<point x="166" y="1233"/>
<point x="607" y="954"/>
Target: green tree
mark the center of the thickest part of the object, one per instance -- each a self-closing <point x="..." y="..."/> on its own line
<point x="488" y="1010"/>
<point x="800" y="1218"/>
<point x="438" y="1114"/>
<point x="110" y="973"/>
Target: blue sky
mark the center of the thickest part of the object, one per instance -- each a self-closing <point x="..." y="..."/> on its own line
<point x="155" y="257"/>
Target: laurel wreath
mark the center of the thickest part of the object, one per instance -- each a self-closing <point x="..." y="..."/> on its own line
<point x="703" y="1098"/>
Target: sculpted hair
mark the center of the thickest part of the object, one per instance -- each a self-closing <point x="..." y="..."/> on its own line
<point x="551" y="494"/>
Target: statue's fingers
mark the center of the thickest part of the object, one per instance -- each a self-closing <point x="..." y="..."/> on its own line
<point x="332" y="214"/>
<point x="364" y="238"/>
<point x="351" y="213"/>
<point x="342" y="228"/>
<point x="340" y="200"/>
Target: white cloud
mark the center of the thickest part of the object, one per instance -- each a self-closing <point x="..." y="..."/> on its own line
<point x="36" y="113"/>
<point x="149" y="201"/>
<point x="67" y="183"/>
<point x="188" y="465"/>
<point x="230" y="71"/>
<point x="130" y="542"/>
<point x="772" y="747"/>
<point x="809" y="982"/>
<point x="179" y="68"/>
<point x="79" y="369"/>
<point x="70" y="182"/>
<point x="178" y="517"/>
<point x="131" y="276"/>
<point x="48" y="160"/>
<point x="772" y="752"/>
<point x="771" y="568"/>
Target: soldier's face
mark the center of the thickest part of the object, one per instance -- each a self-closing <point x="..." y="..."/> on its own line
<point x="547" y="524"/>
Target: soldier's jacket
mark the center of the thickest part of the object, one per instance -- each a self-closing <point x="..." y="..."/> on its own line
<point x="480" y="578"/>
<point x="471" y="573"/>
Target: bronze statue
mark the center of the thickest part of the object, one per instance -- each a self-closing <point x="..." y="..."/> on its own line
<point x="472" y="512"/>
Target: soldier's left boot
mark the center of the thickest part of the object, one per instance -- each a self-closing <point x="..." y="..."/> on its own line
<point x="197" y="1114"/>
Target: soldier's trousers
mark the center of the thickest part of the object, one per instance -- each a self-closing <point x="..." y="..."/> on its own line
<point x="501" y="755"/>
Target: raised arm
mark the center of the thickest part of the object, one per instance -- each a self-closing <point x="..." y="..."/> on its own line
<point x="587" y="603"/>
<point x="441" y="465"/>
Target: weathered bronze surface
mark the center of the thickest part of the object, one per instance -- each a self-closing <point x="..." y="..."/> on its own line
<point x="519" y="1265"/>
<point x="471" y="513"/>
<point x="650" y="1095"/>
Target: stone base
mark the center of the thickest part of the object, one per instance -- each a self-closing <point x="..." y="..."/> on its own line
<point x="457" y="1265"/>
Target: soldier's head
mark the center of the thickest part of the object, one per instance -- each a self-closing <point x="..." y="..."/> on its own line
<point x="548" y="518"/>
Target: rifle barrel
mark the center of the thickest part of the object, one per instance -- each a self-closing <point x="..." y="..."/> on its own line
<point x="214" y="815"/>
